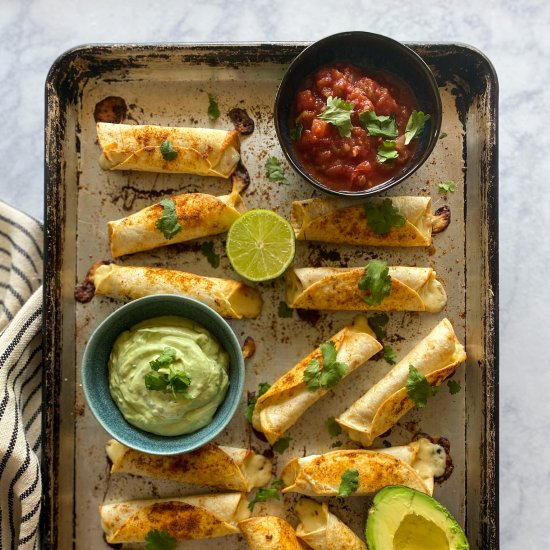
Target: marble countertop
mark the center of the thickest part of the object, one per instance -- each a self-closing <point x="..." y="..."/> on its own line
<point x="514" y="34"/>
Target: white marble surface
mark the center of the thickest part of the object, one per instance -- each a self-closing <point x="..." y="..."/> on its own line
<point x="515" y="34"/>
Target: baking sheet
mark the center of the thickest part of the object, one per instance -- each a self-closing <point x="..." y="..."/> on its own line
<point x="169" y="85"/>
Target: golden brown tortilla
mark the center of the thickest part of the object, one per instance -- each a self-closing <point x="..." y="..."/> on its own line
<point x="202" y="151"/>
<point x="322" y="530"/>
<point x="231" y="299"/>
<point x="227" y="468"/>
<point x="185" y="518"/>
<point x="336" y="221"/>
<point x="414" y="466"/>
<point x="436" y="357"/>
<point x="288" y="398"/>
<point x="269" y="533"/>
<point x="335" y="288"/>
<point x="199" y="215"/>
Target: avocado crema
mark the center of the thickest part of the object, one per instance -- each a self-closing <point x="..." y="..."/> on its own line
<point x="197" y="354"/>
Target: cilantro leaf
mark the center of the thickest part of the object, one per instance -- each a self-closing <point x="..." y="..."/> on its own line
<point x="376" y="281"/>
<point x="337" y="443"/>
<point x="415" y="125"/>
<point x="266" y="493"/>
<point x="207" y="249"/>
<point x="160" y="540"/>
<point x="167" y="150"/>
<point x="333" y="427"/>
<point x="167" y="357"/>
<point x="349" y="483"/>
<point x="274" y="170"/>
<point x="446" y="187"/>
<point x="312" y="375"/>
<point x="418" y="387"/>
<point x="296" y="132"/>
<point x="284" y="310"/>
<point x="386" y="151"/>
<point x="168" y="222"/>
<point x="389" y="355"/>
<point x="332" y="372"/>
<point x="338" y="112"/>
<point x="156" y="381"/>
<point x="454" y="386"/>
<point x="377" y="322"/>
<point x="281" y="445"/>
<point x="179" y="381"/>
<point x="378" y="126"/>
<point x="213" y="109"/>
<point x="381" y="218"/>
<point x="262" y="388"/>
<point x="443" y="135"/>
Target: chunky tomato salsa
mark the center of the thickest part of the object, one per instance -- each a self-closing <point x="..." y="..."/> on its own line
<point x="352" y="132"/>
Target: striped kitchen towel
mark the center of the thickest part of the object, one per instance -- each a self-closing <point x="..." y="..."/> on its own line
<point x="20" y="378"/>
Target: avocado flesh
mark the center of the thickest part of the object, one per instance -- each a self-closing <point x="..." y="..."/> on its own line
<point x="405" y="519"/>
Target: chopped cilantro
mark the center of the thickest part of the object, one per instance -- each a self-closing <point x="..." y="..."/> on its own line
<point x="378" y="126"/>
<point x="377" y="322"/>
<point x="389" y="355"/>
<point x="207" y="248"/>
<point x="213" y="109"/>
<point x="338" y="112"/>
<point x="337" y="443"/>
<point x="262" y="388"/>
<point x="418" y="387"/>
<point x="168" y="222"/>
<point x="376" y="281"/>
<point x="267" y="493"/>
<point x="333" y="427"/>
<point x="160" y="540"/>
<point x="281" y="445"/>
<point x="167" y="150"/>
<point x="296" y="131"/>
<point x="382" y="217"/>
<point x="386" y="151"/>
<point x="446" y="187"/>
<point x="454" y="386"/>
<point x="274" y="170"/>
<point x="349" y="483"/>
<point x="284" y="310"/>
<point x="167" y="357"/>
<point x="443" y="135"/>
<point x="415" y="125"/>
<point x="332" y="372"/>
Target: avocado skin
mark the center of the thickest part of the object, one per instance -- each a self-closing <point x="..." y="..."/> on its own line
<point x="396" y="500"/>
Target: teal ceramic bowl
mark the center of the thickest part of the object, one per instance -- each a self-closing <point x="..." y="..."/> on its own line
<point x="95" y="375"/>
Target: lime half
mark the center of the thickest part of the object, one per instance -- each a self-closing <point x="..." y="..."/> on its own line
<point x="260" y="245"/>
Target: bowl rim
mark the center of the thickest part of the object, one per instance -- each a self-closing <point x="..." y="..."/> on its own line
<point x="403" y="49"/>
<point x="176" y="447"/>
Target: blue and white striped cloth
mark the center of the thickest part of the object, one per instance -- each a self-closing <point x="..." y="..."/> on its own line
<point x="20" y="378"/>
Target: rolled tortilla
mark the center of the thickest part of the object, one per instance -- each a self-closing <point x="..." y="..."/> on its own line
<point x="199" y="215"/>
<point x="185" y="518"/>
<point x="269" y="533"/>
<point x="288" y="398"/>
<point x="322" y="474"/>
<point x="231" y="299"/>
<point x="335" y="221"/>
<point x="321" y="530"/>
<point x="335" y="288"/>
<point x="436" y="357"/>
<point x="202" y="151"/>
<point x="227" y="468"/>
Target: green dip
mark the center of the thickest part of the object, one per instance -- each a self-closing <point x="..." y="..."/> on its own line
<point x="198" y="354"/>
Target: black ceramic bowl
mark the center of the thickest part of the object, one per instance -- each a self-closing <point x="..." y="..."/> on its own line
<point x="367" y="51"/>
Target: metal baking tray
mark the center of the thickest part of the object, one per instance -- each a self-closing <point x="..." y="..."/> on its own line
<point x="167" y="84"/>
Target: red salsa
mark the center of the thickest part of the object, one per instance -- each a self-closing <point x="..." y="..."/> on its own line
<point x="346" y="156"/>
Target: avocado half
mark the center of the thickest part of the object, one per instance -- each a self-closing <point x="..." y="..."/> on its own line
<point x="405" y="519"/>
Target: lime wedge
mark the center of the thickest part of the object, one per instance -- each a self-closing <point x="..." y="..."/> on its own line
<point x="260" y="245"/>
